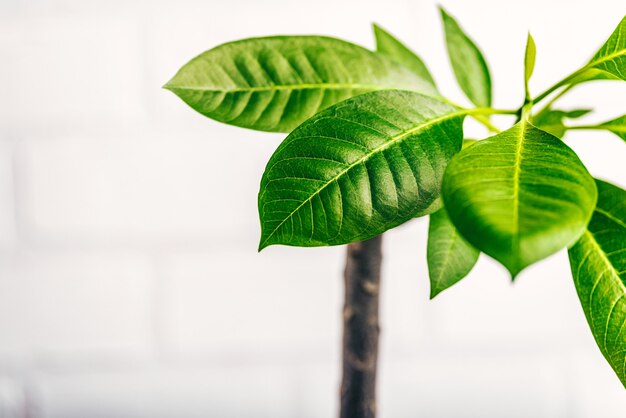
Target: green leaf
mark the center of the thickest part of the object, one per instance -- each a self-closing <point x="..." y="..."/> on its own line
<point x="438" y="204"/>
<point x="529" y="62"/>
<point x="612" y="56"/>
<point x="388" y="45"/>
<point x="450" y="256"/>
<point x="591" y="74"/>
<point x="434" y="207"/>
<point x="519" y="196"/>
<point x="276" y="83"/>
<point x="576" y="113"/>
<point x="358" y="169"/>
<point x="598" y="262"/>
<point x="468" y="63"/>
<point x="553" y="120"/>
<point x="617" y="126"/>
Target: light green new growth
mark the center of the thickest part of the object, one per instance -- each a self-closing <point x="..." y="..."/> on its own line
<point x="529" y="63"/>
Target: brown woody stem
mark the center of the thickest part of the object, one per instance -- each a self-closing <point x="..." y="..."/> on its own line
<point x="361" y="329"/>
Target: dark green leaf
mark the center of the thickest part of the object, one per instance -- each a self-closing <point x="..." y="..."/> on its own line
<point x="519" y="196"/>
<point x="434" y="207"/>
<point x="438" y="204"/>
<point x="388" y="45"/>
<point x="553" y="120"/>
<point x="276" y="83"/>
<point x="617" y="126"/>
<point x="598" y="263"/>
<point x="357" y="169"/>
<point x="612" y="56"/>
<point x="468" y="63"/>
<point x="529" y="62"/>
<point x="450" y="257"/>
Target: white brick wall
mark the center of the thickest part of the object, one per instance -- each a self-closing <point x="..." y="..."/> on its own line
<point x="130" y="285"/>
<point x="72" y="304"/>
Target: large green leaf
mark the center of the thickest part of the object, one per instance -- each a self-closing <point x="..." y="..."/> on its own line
<point x="276" y="83"/>
<point x="617" y="126"/>
<point x="519" y="196"/>
<point x="612" y="56"/>
<point x="388" y="45"/>
<point x="469" y="65"/>
<point x="450" y="257"/>
<point x="553" y="120"/>
<point x="357" y="169"/>
<point x="598" y="263"/>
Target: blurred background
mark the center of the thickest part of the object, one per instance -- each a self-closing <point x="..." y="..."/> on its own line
<point x="130" y="284"/>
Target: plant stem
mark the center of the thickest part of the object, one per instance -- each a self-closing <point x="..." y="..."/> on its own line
<point x="560" y="84"/>
<point x="479" y="115"/>
<point x="361" y="329"/>
<point x="486" y="123"/>
<point x="555" y="98"/>
<point x="587" y="127"/>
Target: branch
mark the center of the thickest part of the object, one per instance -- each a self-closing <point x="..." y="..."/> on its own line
<point x="361" y="329"/>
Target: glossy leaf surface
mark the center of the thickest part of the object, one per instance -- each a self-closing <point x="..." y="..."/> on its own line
<point x="450" y="257"/>
<point x="612" y="56"/>
<point x="598" y="262"/>
<point x="519" y="196"/>
<point x="276" y="83"/>
<point x="468" y="64"/>
<point x="357" y="169"/>
<point x="388" y="45"/>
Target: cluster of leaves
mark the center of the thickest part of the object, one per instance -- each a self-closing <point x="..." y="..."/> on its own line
<point x="373" y="144"/>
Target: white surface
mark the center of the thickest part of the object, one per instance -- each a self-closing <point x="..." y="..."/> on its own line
<point x="130" y="285"/>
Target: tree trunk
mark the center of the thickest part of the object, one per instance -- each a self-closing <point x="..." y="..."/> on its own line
<point x="361" y="329"/>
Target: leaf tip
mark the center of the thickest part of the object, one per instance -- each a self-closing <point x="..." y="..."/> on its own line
<point x="446" y="16"/>
<point x="169" y="86"/>
<point x="444" y="13"/>
<point x="262" y="245"/>
<point x="265" y="241"/>
<point x="434" y="292"/>
<point x="514" y="273"/>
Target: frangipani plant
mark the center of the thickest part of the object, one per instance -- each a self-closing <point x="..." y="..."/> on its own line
<point x="372" y="144"/>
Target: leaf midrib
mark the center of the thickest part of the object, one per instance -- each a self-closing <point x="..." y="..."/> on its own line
<point x="609" y="56"/>
<point x="593" y="64"/>
<point x="602" y="254"/>
<point x="306" y="86"/>
<point x="601" y="60"/>
<point x="516" y="180"/>
<point x="611" y="217"/>
<point x="366" y="157"/>
<point x="453" y="240"/>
